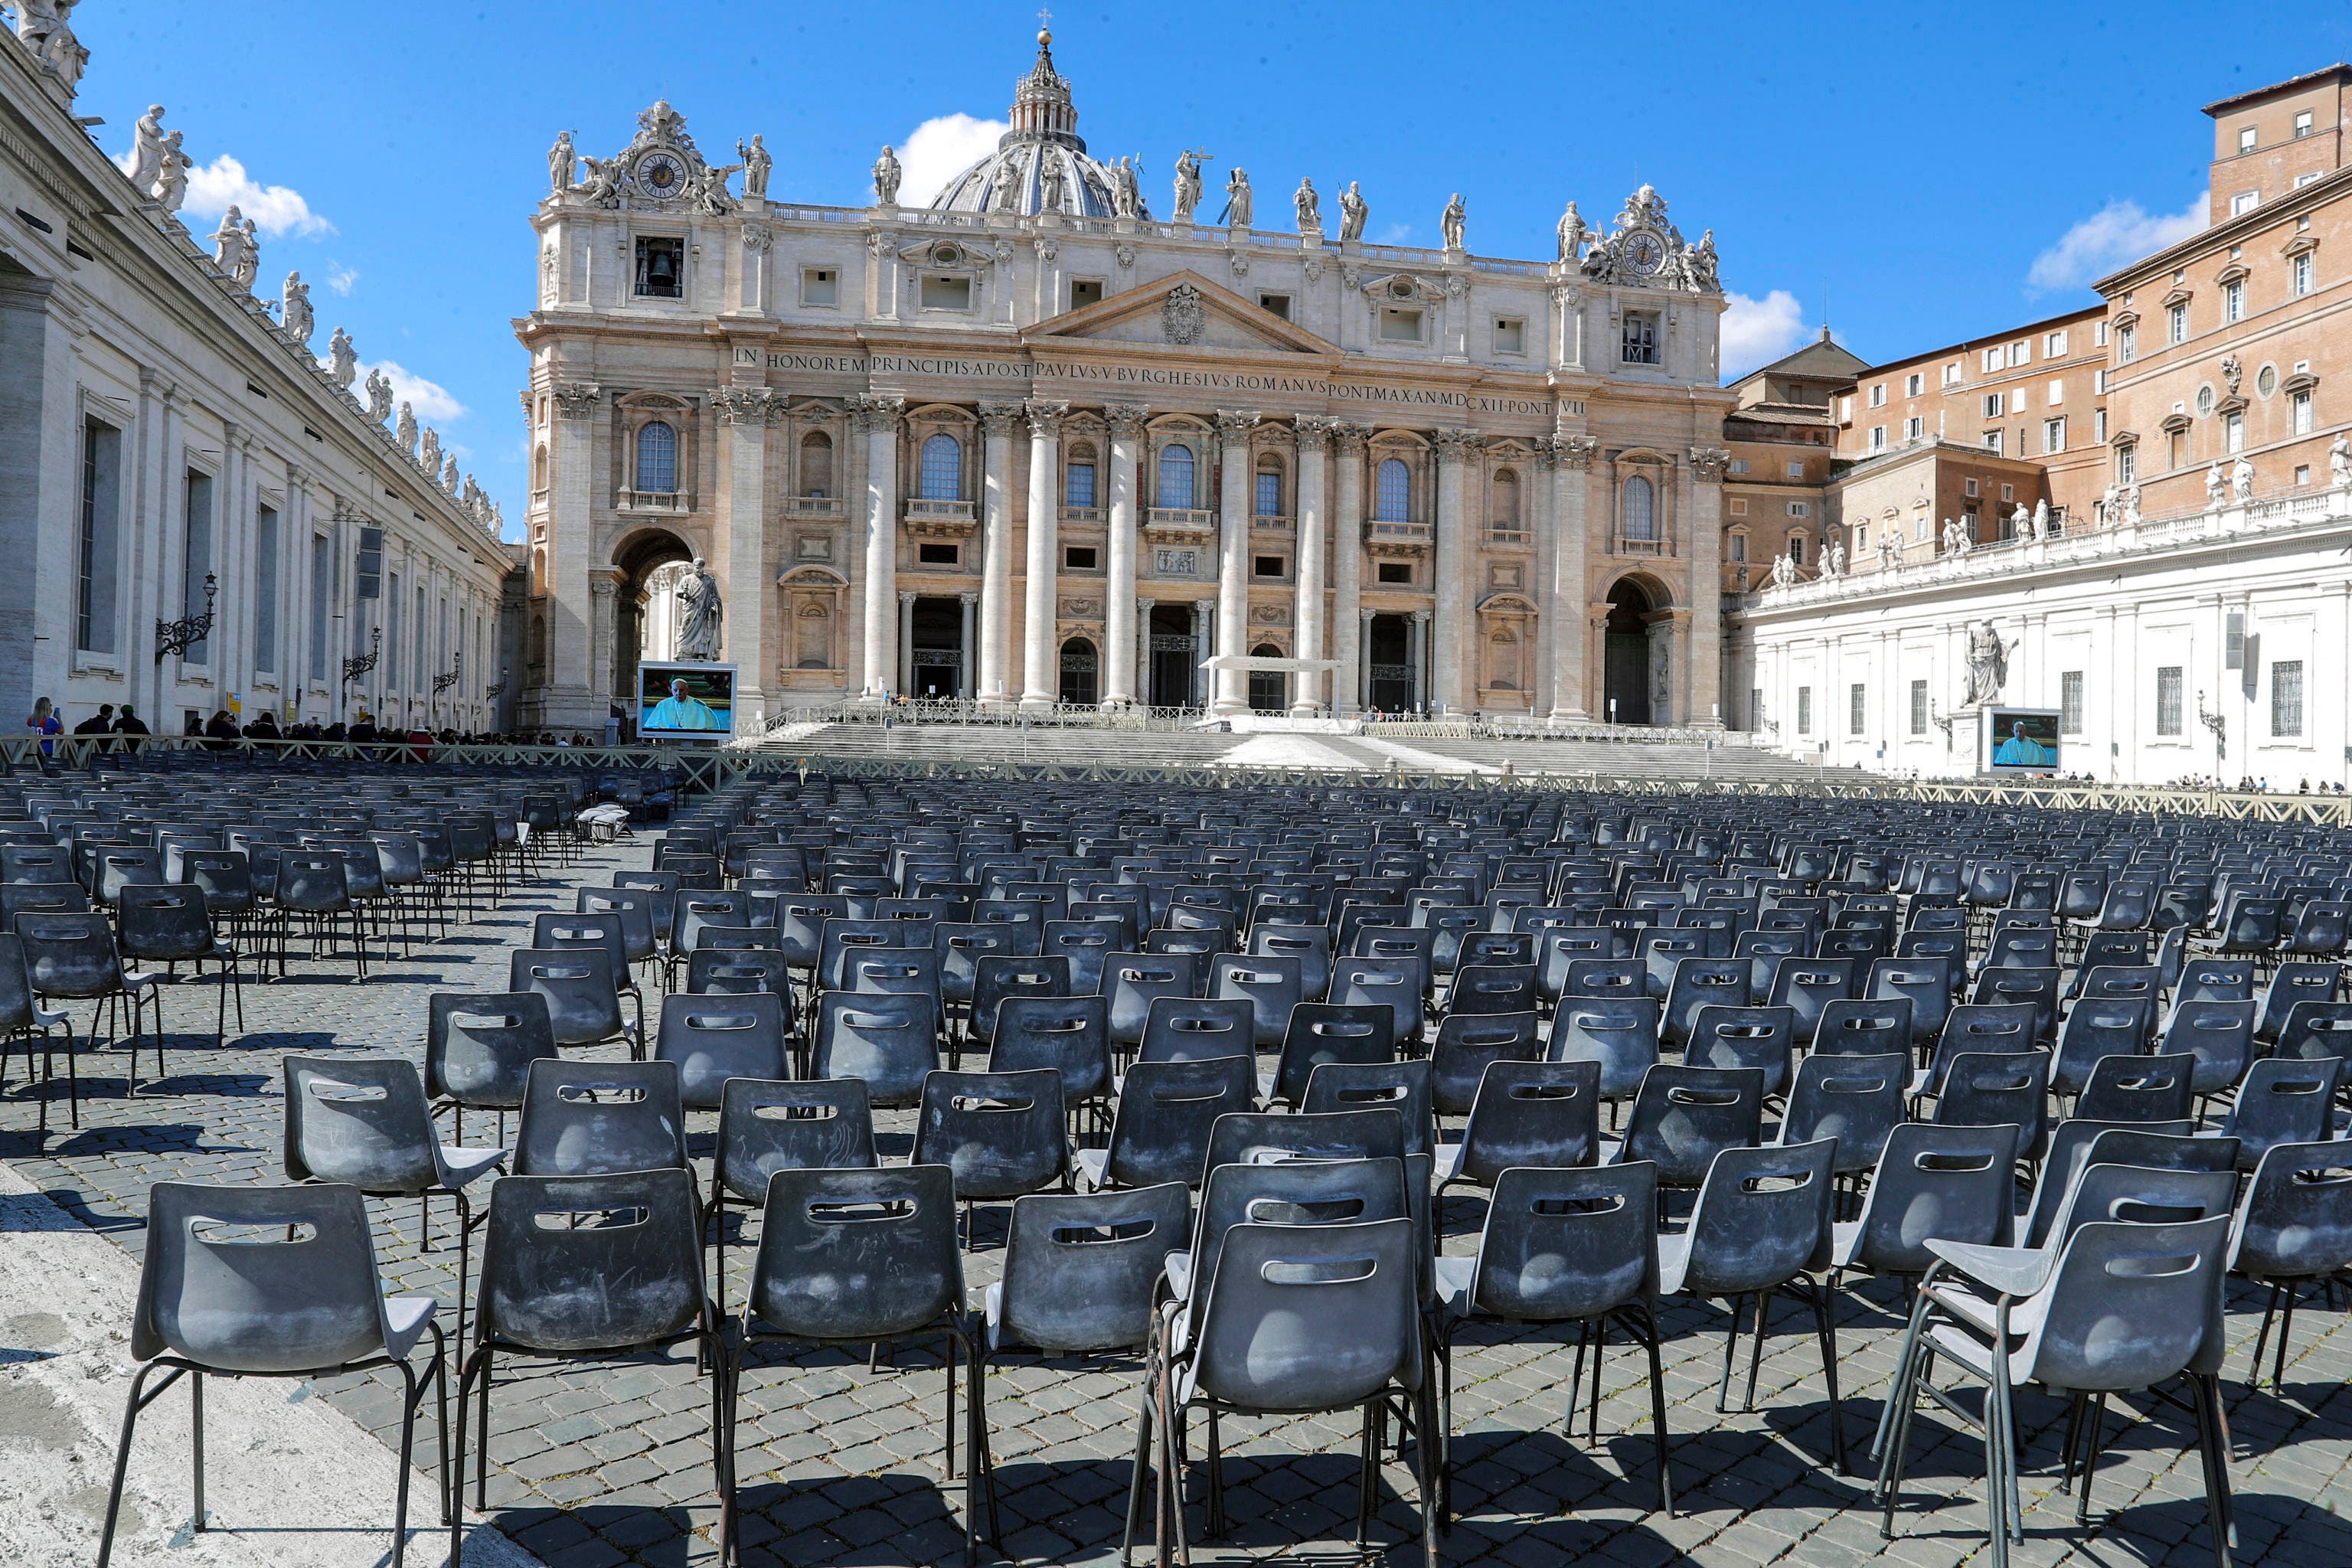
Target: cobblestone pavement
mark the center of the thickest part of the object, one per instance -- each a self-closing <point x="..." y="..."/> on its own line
<point x="610" y="1463"/>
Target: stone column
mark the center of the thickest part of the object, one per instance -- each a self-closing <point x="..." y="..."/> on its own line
<point x="1041" y="684"/>
<point x="1574" y="694"/>
<point x="1352" y="640"/>
<point x="1541" y="510"/>
<point x="1417" y="650"/>
<point x="1670" y="643"/>
<point x="1139" y="650"/>
<point x="964" y="649"/>
<point x="1234" y="426"/>
<point x="880" y="419"/>
<point x="746" y="414"/>
<point x="907" y="643"/>
<point x="1123" y="676"/>
<point x="1703" y="545"/>
<point x="1314" y="442"/>
<point x="996" y="423"/>
<point x="1449" y="642"/>
<point x="603" y="584"/>
<point x="566" y="701"/>
<point x="1203" y="614"/>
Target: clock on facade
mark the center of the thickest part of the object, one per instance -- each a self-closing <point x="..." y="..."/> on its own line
<point x="1645" y="251"/>
<point x="661" y="175"/>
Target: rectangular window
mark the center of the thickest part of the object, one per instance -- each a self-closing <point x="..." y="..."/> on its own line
<point x="1911" y="383"/>
<point x="2009" y="492"/>
<point x="1968" y="486"/>
<point x="2299" y="272"/>
<point x="1878" y="395"/>
<point x="2298" y="413"/>
<point x="2234" y="432"/>
<point x="1801" y="508"/>
<point x="2301" y="123"/>
<point x="1272" y="304"/>
<point x="2244" y="202"/>
<point x="2167" y="700"/>
<point x="2054" y="345"/>
<point x="939" y="555"/>
<point x="2126" y="463"/>
<point x="2246" y="139"/>
<point x="1265" y="566"/>
<point x="2176" y="324"/>
<point x="1918" y="707"/>
<point x="1640" y="344"/>
<point x="265" y="590"/>
<point x="2017" y="398"/>
<point x="1845" y="409"/>
<point x="1395" y="572"/>
<point x="322" y="601"/>
<point x="2099" y="424"/>
<point x="1797" y="470"/>
<point x="423" y="655"/>
<point x="2054" y="434"/>
<point x="1267" y="502"/>
<point x="1085" y="291"/>
<point x="392" y="630"/>
<point x="2287" y="697"/>
<point x="101" y="511"/>
<point x="1992" y="441"/>
<point x="1805" y="710"/>
<point x="1914" y="428"/>
<point x="946" y="291"/>
<point x="2099" y="334"/>
<point x="1078" y="485"/>
<point x="1878" y="437"/>
<point x="1857" y="708"/>
<point x="1080" y="558"/>
<point x="1992" y="404"/>
<point x="2070" y="701"/>
<point x="661" y="267"/>
<point x="1510" y="335"/>
<point x="1399" y="325"/>
<point x="2127" y="344"/>
<point x="1989" y="362"/>
<point x="198" y="563"/>
<point x="1739" y="465"/>
<point x="820" y="286"/>
<point x="1952" y="374"/>
<point x="2054" y="394"/>
<point x="1755" y="707"/>
<point x="2234" y="300"/>
<point x="2020" y="352"/>
<point x="1739" y="547"/>
<point x="1796" y="550"/>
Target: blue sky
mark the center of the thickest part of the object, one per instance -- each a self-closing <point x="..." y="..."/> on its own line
<point x="1930" y="173"/>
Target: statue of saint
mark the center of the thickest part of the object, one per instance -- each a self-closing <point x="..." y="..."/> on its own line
<point x="2339" y="463"/>
<point x="1703" y="264"/>
<point x="2042" y="528"/>
<point x="171" y="187"/>
<point x="248" y="258"/>
<point x="228" y="241"/>
<point x="431" y="460"/>
<point x="2242" y="479"/>
<point x="887" y="175"/>
<point x="296" y="317"/>
<point x="449" y="476"/>
<point x="1126" y="191"/>
<point x="342" y="359"/>
<point x="379" y="396"/>
<point x="757" y="162"/>
<point x="1573" y="233"/>
<point x="1451" y="221"/>
<point x="1054" y="181"/>
<point x="1352" y="214"/>
<point x="403" y="429"/>
<point x="1988" y="665"/>
<point x="701" y="614"/>
<point x="1239" y="203"/>
<point x="1188" y="184"/>
<point x="147" y="150"/>
<point x="561" y="160"/>
<point x="1309" y="205"/>
<point x="1837" y="560"/>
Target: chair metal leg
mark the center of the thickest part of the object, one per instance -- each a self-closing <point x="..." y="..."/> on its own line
<point x="1730" y="1355"/>
<point x="1756" y="1346"/>
<point x="196" y="1446"/>
<point x="1828" y="1320"/>
<point x="141" y="1397"/>
<point x="1658" y="1407"/>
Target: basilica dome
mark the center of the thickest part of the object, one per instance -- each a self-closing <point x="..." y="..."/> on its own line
<point x="1041" y="166"/>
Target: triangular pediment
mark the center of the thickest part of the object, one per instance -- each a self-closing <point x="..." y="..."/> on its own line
<point x="1184" y="310"/>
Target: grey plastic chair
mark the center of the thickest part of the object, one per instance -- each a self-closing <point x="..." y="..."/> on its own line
<point x="2283" y="1101"/>
<point x="1682" y="1117"/>
<point x="891" y="1042"/>
<point x="1949" y="1182"/>
<point x="1561" y="1246"/>
<point x="590" y="1119"/>
<point x="1761" y="1227"/>
<point x="24" y="1021"/>
<point x="1326" y="1032"/>
<point x="2220" y="1037"/>
<point x="998" y="1133"/>
<point x="594" y="1268"/>
<point x="2139" y="1088"/>
<point x="1984" y="1088"/>
<point x="2099" y="1026"/>
<point x="1358" y="1086"/>
<point x="765" y="1127"/>
<point x="478" y="1047"/>
<point x="72" y="957"/>
<point x="714" y="1038"/>
<point x="583" y="1001"/>
<point x="1396" y="981"/>
<point x="253" y="1281"/>
<point x="1134" y="981"/>
<point x="156" y="925"/>
<point x="1271" y="986"/>
<point x="1533" y="1113"/>
<point x="1203" y="1030"/>
<point x="1159" y="1132"/>
<point x="1855" y="1026"/>
<point x="1856" y="1099"/>
<point x="2294" y="1229"/>
<point x="1759" y="1037"/>
<point x="865" y="1258"/>
<point x="1070" y="1035"/>
<point x="1618" y="1033"/>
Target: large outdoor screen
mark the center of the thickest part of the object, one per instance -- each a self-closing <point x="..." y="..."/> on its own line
<point x="2022" y="739"/>
<point x="686" y="700"/>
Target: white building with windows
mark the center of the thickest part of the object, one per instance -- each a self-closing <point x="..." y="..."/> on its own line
<point x="169" y="449"/>
<point x="1030" y="445"/>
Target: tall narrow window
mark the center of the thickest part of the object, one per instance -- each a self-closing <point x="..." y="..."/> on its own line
<point x="265" y="590"/>
<point x="2177" y="324"/>
<point x="1640" y="339"/>
<point x="816" y="465"/>
<point x="2167" y="700"/>
<point x="1918" y="707"/>
<point x="392" y="630"/>
<point x="101" y="466"/>
<point x="657" y="458"/>
<point x="1392" y="492"/>
<point x="322" y="602"/>
<point x="2298" y="413"/>
<point x="1857" y="708"/>
<point x="198" y="562"/>
<point x="2069" y="702"/>
<point x="2127" y="344"/>
<point x="1267" y="502"/>
<point x="1641" y="509"/>
<point x="1805" y="710"/>
<point x="1078" y="478"/>
<point x="2287" y="697"/>
<point x="2234" y="302"/>
<point x="1506" y="502"/>
<point x="2299" y="275"/>
<point x="1175" y="492"/>
<point x="421" y="664"/>
<point x="942" y="468"/>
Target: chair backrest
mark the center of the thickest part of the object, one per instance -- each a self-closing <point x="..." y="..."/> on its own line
<point x="631" y="1276"/>
<point x="1183" y="1029"/>
<point x="1808" y="986"/>
<point x="2315" y="1029"/>
<point x="1302" y="1318"/>
<point x="714" y="1038"/>
<point x="2128" y="1307"/>
<point x="1271" y="986"/>
<point x="1981" y="1028"/>
<point x="1133" y="981"/>
<point x="585" y="1119"/>
<point x="1683" y="1116"/>
<point x="1247" y="1138"/>
<point x="999" y="1133"/>
<point x="1070" y="1035"/>
<point x="2293" y="983"/>
<point x="1924" y="983"/>
<point x="997" y="977"/>
<point x="1393" y="980"/>
<point x="2139" y="1088"/>
<point x="766" y="1126"/>
<point x="264" y="1280"/>
<point x="1485" y="989"/>
<point x="1336" y="1087"/>
<point x="1085" y="945"/>
<point x="2018" y="985"/>
<point x="739" y="972"/>
<point x="163" y="923"/>
<point x="1592" y="976"/>
<point x="1856" y="1099"/>
<point x="479" y="1045"/>
<point x="581" y="996"/>
<point x="1321" y="1032"/>
<point x="1620" y="1034"/>
<point x="1531" y="1114"/>
<point x="1983" y="1089"/>
<point x="1345" y="1189"/>
<point x="562" y="933"/>
<point x="2099" y="1025"/>
<point x="360" y="1119"/>
<point x="1762" y="1218"/>
<point x="2295" y="1221"/>
<point x="1159" y="1132"/>
<point x="1762" y="1038"/>
<point x="2140" y="1194"/>
<point x="1945" y="1183"/>
<point x="69" y="955"/>
<point x="2070" y="1146"/>
<point x="1080" y="1267"/>
<point x="856" y="1254"/>
<point x="891" y="1042"/>
<point x="698" y="907"/>
<point x="2283" y="1100"/>
<point x="1466" y="1045"/>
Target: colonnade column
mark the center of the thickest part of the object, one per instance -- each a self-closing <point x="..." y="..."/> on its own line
<point x="1703" y="544"/>
<point x="747" y="413"/>
<point x="1203" y="612"/>
<point x="907" y="643"/>
<point x="1449" y="645"/>
<point x="879" y="418"/>
<point x="1234" y="426"/>
<point x="1351" y="626"/>
<point x="1122" y="671"/>
<point x="1417" y="649"/>
<point x="996" y="423"/>
<point x="1040" y="669"/>
<point x="1140" y="652"/>
<point x="1313" y="441"/>
<point x="964" y="687"/>
<point x="1567" y="607"/>
<point x="571" y="615"/>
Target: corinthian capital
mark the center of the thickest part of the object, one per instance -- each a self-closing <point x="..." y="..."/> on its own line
<point x="1125" y="420"/>
<point x="1352" y="438"/>
<point x="1314" y="433"/>
<point x="1452" y="446"/>
<point x="1044" y="419"/>
<point x="1709" y="463"/>
<point x="1577" y="452"/>
<point x="577" y="399"/>
<point x="746" y="405"/>
<point x="1234" y="424"/>
<point x="999" y="418"/>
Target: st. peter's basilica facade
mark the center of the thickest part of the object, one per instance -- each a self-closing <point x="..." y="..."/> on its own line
<point x="1033" y="445"/>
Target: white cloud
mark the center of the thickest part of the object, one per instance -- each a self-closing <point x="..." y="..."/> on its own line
<point x="1757" y="331"/>
<point x="2117" y="233"/>
<point x="429" y="400"/>
<point x="276" y="210"/>
<point x="341" y="277"/>
<point x="1396" y="234"/>
<point x="939" y="150"/>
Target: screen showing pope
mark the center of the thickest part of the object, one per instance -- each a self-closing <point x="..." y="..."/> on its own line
<point x="681" y="710"/>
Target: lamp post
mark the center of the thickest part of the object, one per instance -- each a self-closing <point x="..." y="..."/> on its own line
<point x="442" y="683"/>
<point x="2221" y="728"/>
<point x="359" y="665"/>
<point x="178" y="636"/>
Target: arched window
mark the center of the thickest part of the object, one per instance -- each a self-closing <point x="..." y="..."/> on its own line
<point x="1641" y="508"/>
<point x="1175" y="491"/>
<point x="1266" y="499"/>
<point x="1078" y="477"/>
<point x="816" y="464"/>
<point x="657" y="458"/>
<point x="942" y="468"/>
<point x="1507" y="499"/>
<point x="1392" y="492"/>
<point x="538" y="469"/>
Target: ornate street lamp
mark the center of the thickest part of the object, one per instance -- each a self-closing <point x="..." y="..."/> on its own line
<point x="178" y="636"/>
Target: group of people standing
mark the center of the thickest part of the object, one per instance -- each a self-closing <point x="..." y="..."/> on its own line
<point x="46" y="722"/>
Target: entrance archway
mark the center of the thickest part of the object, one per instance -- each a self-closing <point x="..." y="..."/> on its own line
<point x="1081" y="672"/>
<point x="1269" y="689"/>
<point x="1389" y="653"/>
<point x="643" y="629"/>
<point x="1627" y="651"/>
<point x="1170" y="677"/>
<point x="936" y="657"/>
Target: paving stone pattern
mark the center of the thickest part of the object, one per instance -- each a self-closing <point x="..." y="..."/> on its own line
<point x="610" y="1463"/>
